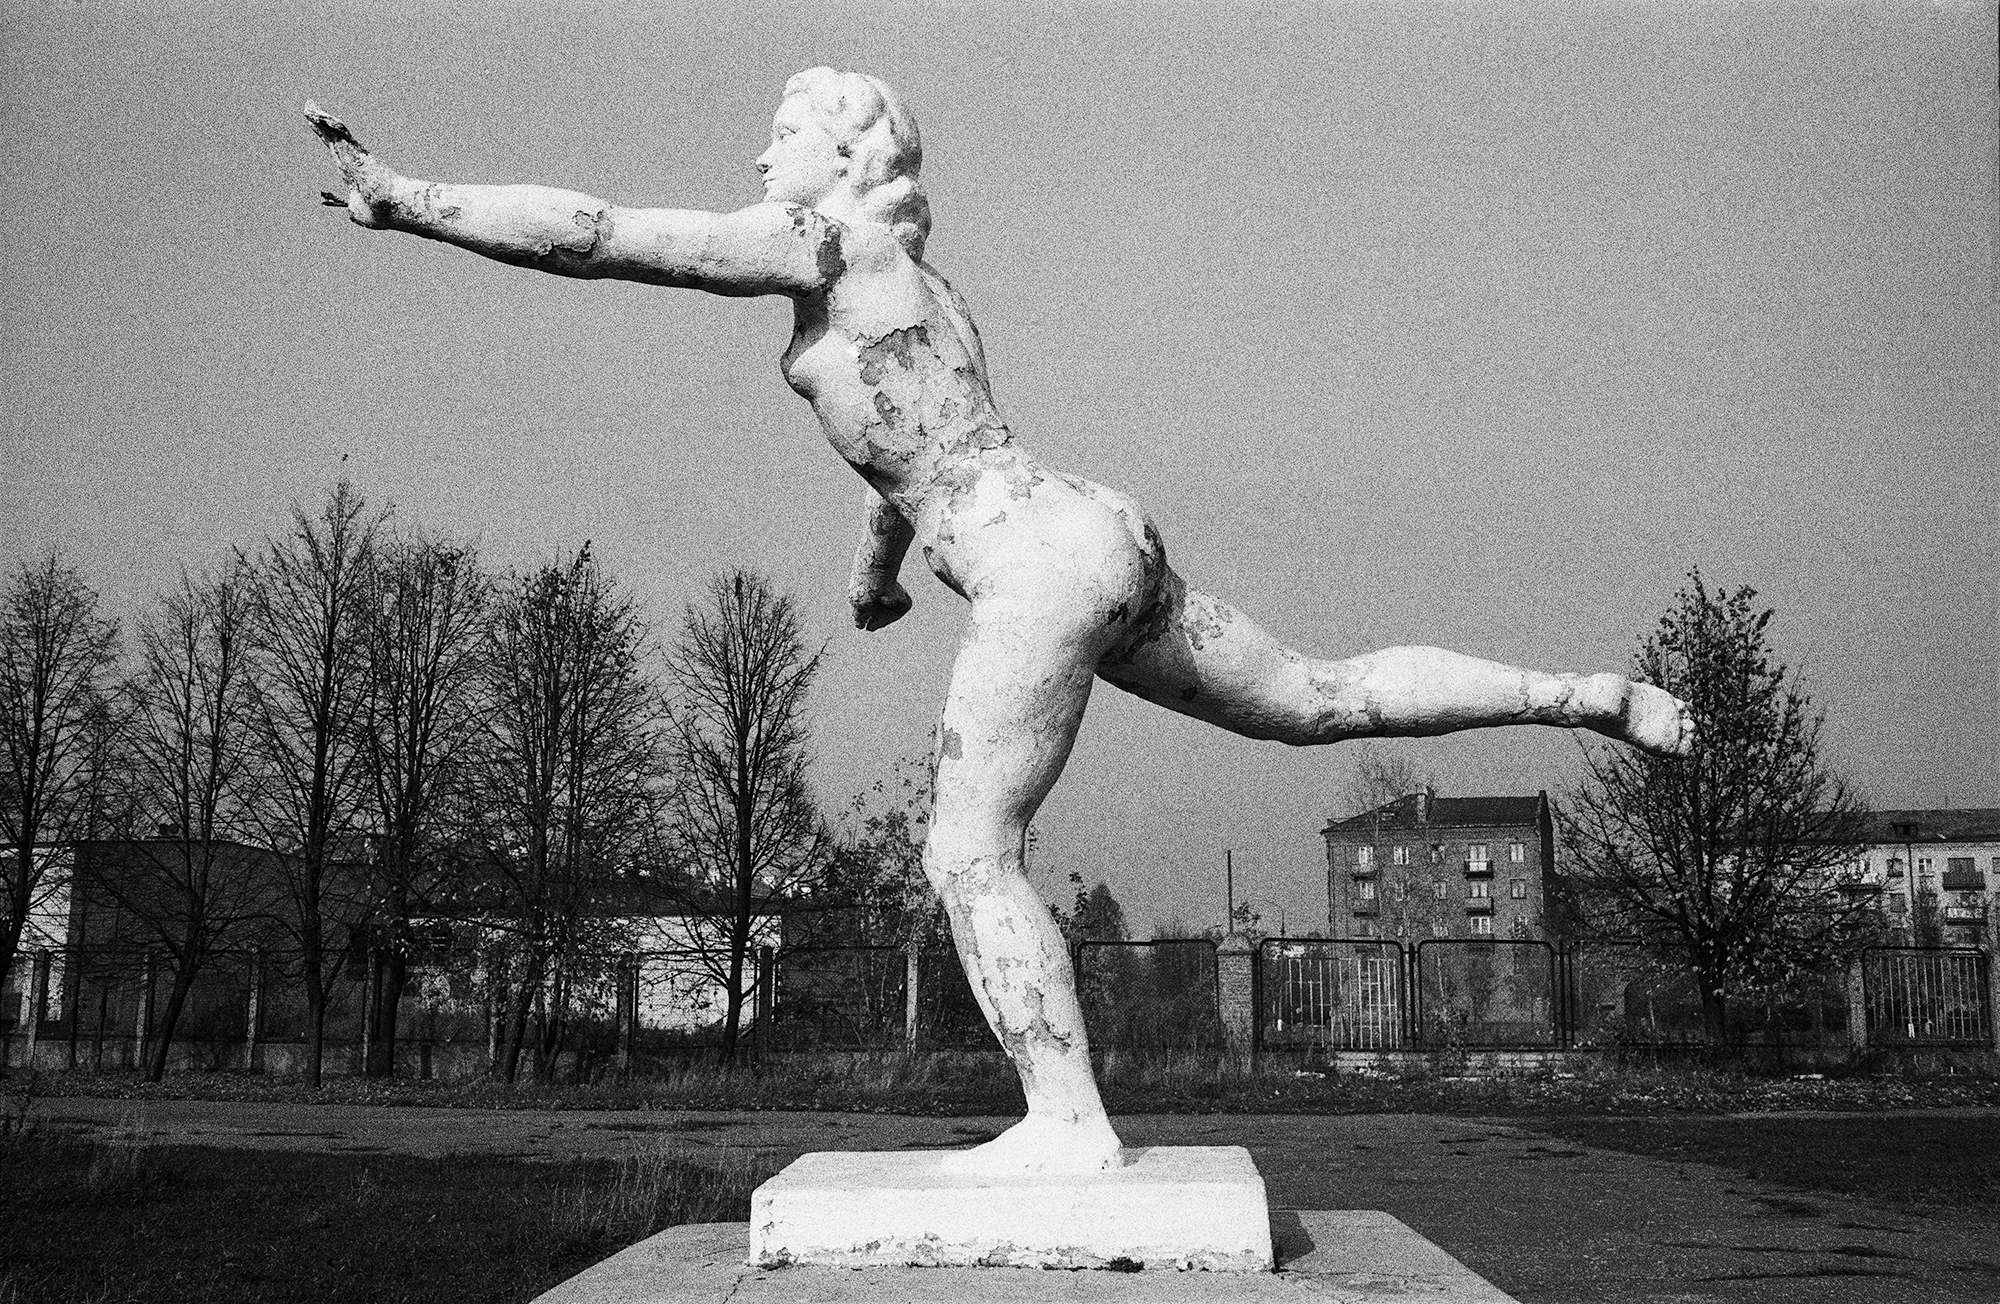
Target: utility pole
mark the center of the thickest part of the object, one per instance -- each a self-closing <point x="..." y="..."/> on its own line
<point x="1229" y="873"/>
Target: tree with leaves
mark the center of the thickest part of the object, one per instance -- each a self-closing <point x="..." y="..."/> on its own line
<point x="1096" y="916"/>
<point x="308" y="602"/>
<point x="746" y="833"/>
<point x="424" y="606"/>
<point x="563" y="780"/>
<point x="874" y="881"/>
<point x="57" y="656"/>
<point x="1724" y="863"/>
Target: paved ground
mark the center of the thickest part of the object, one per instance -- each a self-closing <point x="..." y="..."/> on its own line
<point x="1549" y="1221"/>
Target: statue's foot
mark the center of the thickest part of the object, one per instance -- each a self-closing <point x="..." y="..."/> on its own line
<point x="1041" y="1145"/>
<point x="1649" y="718"/>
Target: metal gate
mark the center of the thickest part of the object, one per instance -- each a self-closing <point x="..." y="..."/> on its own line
<point x="1927" y="996"/>
<point x="1340" y="994"/>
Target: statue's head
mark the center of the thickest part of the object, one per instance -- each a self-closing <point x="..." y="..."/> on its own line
<point x="877" y="152"/>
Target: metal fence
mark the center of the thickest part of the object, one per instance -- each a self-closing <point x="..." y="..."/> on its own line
<point x="103" y="1009"/>
<point x="840" y="998"/>
<point x="1480" y="993"/>
<point x="1492" y="994"/>
<point x="1150" y="995"/>
<point x="1927" y="996"/>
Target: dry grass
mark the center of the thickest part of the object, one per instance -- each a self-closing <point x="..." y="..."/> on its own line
<point x="647" y="1192"/>
<point x="85" y="1221"/>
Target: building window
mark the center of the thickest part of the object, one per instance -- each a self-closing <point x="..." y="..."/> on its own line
<point x="1924" y="871"/>
<point x="1895" y="867"/>
<point x="1517" y="853"/>
<point x="1482" y="925"/>
<point x="1896" y="903"/>
<point x="1401" y="889"/>
<point x="1365" y="890"/>
<point x="1958" y="864"/>
<point x="1438" y="890"/>
<point x="1399" y="856"/>
<point x="1364" y="855"/>
<point x="1437" y="855"/>
<point x="1478" y="887"/>
<point x="1476" y="853"/>
<point x="1518" y="889"/>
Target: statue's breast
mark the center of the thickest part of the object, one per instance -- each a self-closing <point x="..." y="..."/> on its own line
<point x="809" y="357"/>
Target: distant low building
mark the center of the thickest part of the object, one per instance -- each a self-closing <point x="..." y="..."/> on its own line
<point x="45" y="930"/>
<point x="1426" y="866"/>
<point x="1933" y="872"/>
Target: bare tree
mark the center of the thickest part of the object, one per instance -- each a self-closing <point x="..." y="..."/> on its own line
<point x="56" y="659"/>
<point x="745" y="831"/>
<point x="186" y="747"/>
<point x="422" y="636"/>
<point x="1380" y="776"/>
<point x="309" y="604"/>
<point x="567" y="764"/>
<point x="1725" y="863"/>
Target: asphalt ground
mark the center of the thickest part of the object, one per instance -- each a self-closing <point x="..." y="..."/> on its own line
<point x="1549" y="1220"/>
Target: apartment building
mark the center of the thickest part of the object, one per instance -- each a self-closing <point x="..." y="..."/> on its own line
<point x="1426" y="866"/>
<point x="1933" y="872"/>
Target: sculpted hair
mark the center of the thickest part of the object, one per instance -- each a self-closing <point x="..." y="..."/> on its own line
<point x="879" y="137"/>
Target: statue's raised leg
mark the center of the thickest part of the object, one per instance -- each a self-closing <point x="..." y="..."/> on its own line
<point x="1200" y="657"/>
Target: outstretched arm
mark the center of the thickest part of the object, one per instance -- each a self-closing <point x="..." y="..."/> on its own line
<point x="877" y="596"/>
<point x="764" y="249"/>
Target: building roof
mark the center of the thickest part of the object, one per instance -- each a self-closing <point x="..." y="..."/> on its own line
<point x="1977" y="824"/>
<point x="1427" y="809"/>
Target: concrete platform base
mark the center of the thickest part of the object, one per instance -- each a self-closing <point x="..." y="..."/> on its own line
<point x="1352" y="1257"/>
<point x="1168" y="1207"/>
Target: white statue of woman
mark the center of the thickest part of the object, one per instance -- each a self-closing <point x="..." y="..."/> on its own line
<point x="1067" y="580"/>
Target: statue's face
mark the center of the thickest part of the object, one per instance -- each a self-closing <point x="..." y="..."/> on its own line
<point x="803" y="165"/>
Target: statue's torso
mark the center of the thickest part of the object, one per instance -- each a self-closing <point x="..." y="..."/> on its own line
<point x="889" y="360"/>
<point x="891" y="363"/>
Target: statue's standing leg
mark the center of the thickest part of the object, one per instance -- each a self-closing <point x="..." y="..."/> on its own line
<point x="1018" y="691"/>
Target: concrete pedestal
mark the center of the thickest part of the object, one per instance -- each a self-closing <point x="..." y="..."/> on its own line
<point x="1167" y="1207"/>
<point x="1356" y="1257"/>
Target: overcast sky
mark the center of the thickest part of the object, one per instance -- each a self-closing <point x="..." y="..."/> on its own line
<point x="1465" y="325"/>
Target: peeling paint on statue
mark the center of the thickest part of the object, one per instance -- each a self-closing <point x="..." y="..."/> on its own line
<point x="1066" y="578"/>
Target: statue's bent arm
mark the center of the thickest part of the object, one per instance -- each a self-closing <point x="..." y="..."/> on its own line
<point x="877" y="596"/>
